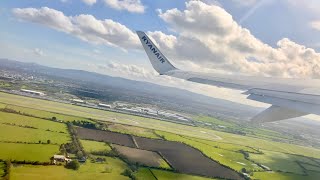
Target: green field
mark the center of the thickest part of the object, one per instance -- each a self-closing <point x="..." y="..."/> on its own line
<point x="17" y="131"/>
<point x="87" y="171"/>
<point x="285" y="176"/>
<point x="310" y="167"/>
<point x="283" y="162"/>
<point x="2" y="168"/>
<point x="220" y="146"/>
<point x="44" y="114"/>
<point x="94" y="146"/>
<point x="227" y="126"/>
<point x="196" y="132"/>
<point x="31" y="121"/>
<point x="166" y="175"/>
<point x="146" y="174"/>
<point x="20" y="134"/>
<point x="28" y="152"/>
<point x="224" y="145"/>
<point x="2" y="106"/>
<point x="232" y="159"/>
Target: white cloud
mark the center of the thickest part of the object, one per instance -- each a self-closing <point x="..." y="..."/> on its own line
<point x="245" y="2"/>
<point x="315" y="25"/>
<point x="85" y="27"/>
<point x="89" y="2"/>
<point x="134" y="72"/>
<point x="128" y="70"/>
<point x="209" y="37"/>
<point x="309" y="6"/>
<point x="38" y="52"/>
<point x="134" y="6"/>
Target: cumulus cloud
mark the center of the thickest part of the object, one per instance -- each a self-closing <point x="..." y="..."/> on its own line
<point x="134" y="6"/>
<point x="130" y="71"/>
<point x="85" y="27"/>
<point x="89" y="2"/>
<point x="209" y="37"/>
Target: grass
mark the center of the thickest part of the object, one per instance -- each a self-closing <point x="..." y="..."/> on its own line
<point x="94" y="146"/>
<point x="137" y="131"/>
<point x="166" y="175"/>
<point x="310" y="167"/>
<point x="144" y="174"/>
<point x="148" y="174"/>
<point x="232" y="159"/>
<point x="20" y="134"/>
<point x="228" y="126"/>
<point x="46" y="130"/>
<point x="195" y="132"/>
<point x="280" y="161"/>
<point x="226" y="146"/>
<point x="87" y="171"/>
<point x="45" y="114"/>
<point x="2" y="169"/>
<point x="220" y="146"/>
<point x="2" y="105"/>
<point x="31" y="121"/>
<point x="285" y="176"/>
<point x="28" y="152"/>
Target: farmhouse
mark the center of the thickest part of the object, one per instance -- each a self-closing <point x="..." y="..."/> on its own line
<point x="78" y="101"/>
<point x="104" y="105"/>
<point x="38" y="93"/>
<point x="60" y="158"/>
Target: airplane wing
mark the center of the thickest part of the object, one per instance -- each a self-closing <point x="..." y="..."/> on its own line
<point x="289" y="97"/>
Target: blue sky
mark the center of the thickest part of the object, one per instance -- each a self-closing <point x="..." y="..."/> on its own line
<point x="269" y="23"/>
<point x="263" y="37"/>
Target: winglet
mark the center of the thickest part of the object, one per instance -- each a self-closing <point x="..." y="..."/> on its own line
<point x="159" y="62"/>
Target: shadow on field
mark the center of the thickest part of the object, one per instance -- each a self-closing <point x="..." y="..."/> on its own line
<point x="181" y="157"/>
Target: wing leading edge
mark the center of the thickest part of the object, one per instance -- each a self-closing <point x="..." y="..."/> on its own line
<point x="283" y="94"/>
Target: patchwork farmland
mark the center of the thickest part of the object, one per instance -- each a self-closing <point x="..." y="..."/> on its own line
<point x="30" y="135"/>
<point x="181" y="157"/>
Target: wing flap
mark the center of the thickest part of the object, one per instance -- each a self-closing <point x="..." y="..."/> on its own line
<point x="276" y="113"/>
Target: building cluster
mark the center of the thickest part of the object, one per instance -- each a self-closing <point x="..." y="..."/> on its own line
<point x="154" y="112"/>
<point x="59" y="158"/>
<point x="13" y="75"/>
<point x="38" y="93"/>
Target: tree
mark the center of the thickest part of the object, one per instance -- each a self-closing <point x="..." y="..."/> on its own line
<point x="79" y="154"/>
<point x="39" y="141"/>
<point x="75" y="165"/>
<point x="54" y="118"/>
<point x="243" y="170"/>
<point x="48" y="141"/>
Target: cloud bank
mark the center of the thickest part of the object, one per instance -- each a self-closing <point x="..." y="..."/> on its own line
<point x="84" y="26"/>
<point x="209" y="37"/>
<point x="206" y="38"/>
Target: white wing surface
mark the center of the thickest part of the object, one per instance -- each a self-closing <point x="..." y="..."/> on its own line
<point x="289" y="97"/>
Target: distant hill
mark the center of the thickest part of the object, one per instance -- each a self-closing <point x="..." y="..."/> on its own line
<point x="115" y="88"/>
